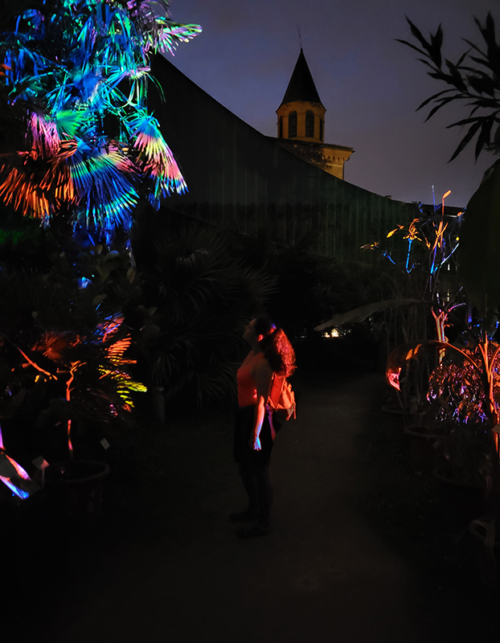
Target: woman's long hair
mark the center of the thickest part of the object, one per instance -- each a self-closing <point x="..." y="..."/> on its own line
<point x="277" y="349"/>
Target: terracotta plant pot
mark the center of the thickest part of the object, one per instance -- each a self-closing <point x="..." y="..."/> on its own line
<point x="83" y="482"/>
<point x="462" y="502"/>
<point x="424" y="446"/>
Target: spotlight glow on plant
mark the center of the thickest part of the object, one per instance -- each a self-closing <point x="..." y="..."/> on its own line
<point x="90" y="141"/>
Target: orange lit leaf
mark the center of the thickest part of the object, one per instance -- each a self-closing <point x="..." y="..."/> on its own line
<point x="400" y="227"/>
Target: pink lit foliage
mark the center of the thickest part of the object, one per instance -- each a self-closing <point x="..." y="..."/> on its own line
<point x="465" y="391"/>
<point x="87" y="375"/>
<point x="14" y="476"/>
<point x="467" y="388"/>
<point x="457" y="385"/>
<point x="78" y="361"/>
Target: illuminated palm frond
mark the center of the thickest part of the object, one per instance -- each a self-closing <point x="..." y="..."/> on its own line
<point x="83" y="68"/>
<point x="155" y="158"/>
<point x="56" y="345"/>
<point x="71" y="122"/>
<point x="159" y="33"/>
<point x="43" y="136"/>
<point x="125" y="385"/>
<point x="103" y="181"/>
<point x="35" y="185"/>
<point x="108" y="327"/>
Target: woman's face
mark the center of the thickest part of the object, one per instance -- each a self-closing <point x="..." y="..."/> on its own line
<point x="249" y="334"/>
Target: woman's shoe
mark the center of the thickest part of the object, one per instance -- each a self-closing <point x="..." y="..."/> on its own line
<point x="252" y="532"/>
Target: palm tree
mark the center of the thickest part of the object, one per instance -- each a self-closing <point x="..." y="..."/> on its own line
<point x="76" y="74"/>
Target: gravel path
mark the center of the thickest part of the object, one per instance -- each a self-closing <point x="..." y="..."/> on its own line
<point x="323" y="574"/>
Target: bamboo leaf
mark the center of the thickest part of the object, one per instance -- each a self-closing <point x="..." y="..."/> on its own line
<point x="484" y="136"/>
<point x="462" y="58"/>
<point x="418" y="35"/>
<point x="466" y="139"/>
<point x="466" y="121"/>
<point x="409" y="44"/>
<point x="458" y="81"/>
<point x="442" y="103"/>
<point x="436" y="43"/>
<point x="433" y="97"/>
<point x="482" y="84"/>
<point x="475" y="47"/>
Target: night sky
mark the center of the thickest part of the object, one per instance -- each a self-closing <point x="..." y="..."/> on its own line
<point x="370" y="84"/>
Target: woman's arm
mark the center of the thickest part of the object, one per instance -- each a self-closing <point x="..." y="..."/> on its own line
<point x="262" y="375"/>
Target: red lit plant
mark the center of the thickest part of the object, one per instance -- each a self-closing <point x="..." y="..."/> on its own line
<point x="64" y="359"/>
<point x="471" y="384"/>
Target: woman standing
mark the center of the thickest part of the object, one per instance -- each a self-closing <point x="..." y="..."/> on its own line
<point x="270" y="353"/>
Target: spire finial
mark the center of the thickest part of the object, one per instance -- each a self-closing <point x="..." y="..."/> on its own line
<point x="300" y="37"/>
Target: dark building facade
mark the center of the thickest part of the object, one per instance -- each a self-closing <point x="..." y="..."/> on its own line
<point x="242" y="180"/>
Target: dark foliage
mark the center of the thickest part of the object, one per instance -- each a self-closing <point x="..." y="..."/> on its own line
<point x="309" y="287"/>
<point x="200" y="294"/>
<point x="473" y="78"/>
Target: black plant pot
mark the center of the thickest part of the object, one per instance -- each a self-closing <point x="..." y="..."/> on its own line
<point x="83" y="483"/>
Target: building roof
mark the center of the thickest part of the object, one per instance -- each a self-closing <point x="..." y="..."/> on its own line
<point x="297" y="141"/>
<point x="301" y="85"/>
<point x="239" y="179"/>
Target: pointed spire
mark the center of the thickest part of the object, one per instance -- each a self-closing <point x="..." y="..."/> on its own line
<point x="301" y="85"/>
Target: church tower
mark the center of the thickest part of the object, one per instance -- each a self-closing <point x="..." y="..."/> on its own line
<point x="301" y="123"/>
<point x="301" y="114"/>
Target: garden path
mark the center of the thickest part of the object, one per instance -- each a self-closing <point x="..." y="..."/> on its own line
<point x="323" y="574"/>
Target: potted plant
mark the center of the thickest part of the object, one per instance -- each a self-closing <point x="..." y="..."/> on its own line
<point x="73" y="90"/>
<point x="65" y="382"/>
<point x="467" y="387"/>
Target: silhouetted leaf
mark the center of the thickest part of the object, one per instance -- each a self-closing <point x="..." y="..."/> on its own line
<point x="462" y="58"/>
<point x="480" y="84"/>
<point x="465" y="121"/>
<point x="479" y="61"/>
<point x="468" y="137"/>
<point x="418" y="35"/>
<point x="475" y="47"/>
<point x="433" y="97"/>
<point x="436" y="43"/>
<point x="409" y="44"/>
<point x="456" y="76"/>
<point x="444" y="101"/>
<point x="484" y="136"/>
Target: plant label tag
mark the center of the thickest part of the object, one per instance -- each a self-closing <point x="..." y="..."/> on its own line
<point x="105" y="444"/>
<point x="40" y="463"/>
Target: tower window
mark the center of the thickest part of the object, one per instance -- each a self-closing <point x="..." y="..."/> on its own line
<point x="310" y="124"/>
<point x="280" y="127"/>
<point x="321" y="126"/>
<point x="292" y="125"/>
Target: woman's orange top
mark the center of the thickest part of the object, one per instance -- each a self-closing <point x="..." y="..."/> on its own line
<point x="247" y="387"/>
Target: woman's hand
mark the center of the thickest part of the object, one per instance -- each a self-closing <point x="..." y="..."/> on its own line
<point x="254" y="443"/>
